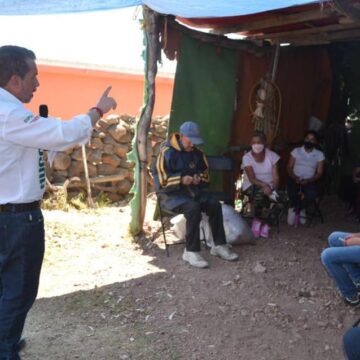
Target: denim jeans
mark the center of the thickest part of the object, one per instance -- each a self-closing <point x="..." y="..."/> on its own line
<point x="21" y="255"/>
<point x="352" y="343"/>
<point x="343" y="264"/>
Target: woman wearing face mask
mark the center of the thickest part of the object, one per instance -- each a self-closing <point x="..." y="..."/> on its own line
<point x="305" y="168"/>
<point x="261" y="178"/>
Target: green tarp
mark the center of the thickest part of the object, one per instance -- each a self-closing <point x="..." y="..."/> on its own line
<point x="204" y="92"/>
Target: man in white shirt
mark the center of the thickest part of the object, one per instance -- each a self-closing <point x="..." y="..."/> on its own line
<point x="23" y="136"/>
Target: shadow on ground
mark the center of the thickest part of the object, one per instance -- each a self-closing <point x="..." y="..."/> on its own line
<point x="277" y="303"/>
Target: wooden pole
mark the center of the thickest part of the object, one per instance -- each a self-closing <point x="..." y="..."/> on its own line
<point x="151" y="19"/>
<point x="88" y="183"/>
<point x="275" y="62"/>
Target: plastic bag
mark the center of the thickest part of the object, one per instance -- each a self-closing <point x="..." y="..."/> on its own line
<point x="237" y="231"/>
<point x="179" y="228"/>
<point x="178" y="223"/>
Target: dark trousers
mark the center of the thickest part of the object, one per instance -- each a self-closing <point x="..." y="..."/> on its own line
<point x="192" y="211"/>
<point x="309" y="191"/>
<point x="352" y="343"/>
<point x="21" y="255"/>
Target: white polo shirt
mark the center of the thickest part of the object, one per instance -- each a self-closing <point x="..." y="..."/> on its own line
<point x="23" y="136"/>
<point x="306" y="163"/>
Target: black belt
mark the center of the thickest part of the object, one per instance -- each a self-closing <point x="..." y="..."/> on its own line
<point x="20" y="207"/>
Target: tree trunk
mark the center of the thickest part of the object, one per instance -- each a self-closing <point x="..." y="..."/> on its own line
<point x="138" y="204"/>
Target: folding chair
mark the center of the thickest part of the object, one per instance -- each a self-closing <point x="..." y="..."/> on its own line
<point x="162" y="214"/>
<point x="223" y="164"/>
<point x="216" y="163"/>
<point x="313" y="212"/>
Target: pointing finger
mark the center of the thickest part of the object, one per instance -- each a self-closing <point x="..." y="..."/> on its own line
<point x="106" y="92"/>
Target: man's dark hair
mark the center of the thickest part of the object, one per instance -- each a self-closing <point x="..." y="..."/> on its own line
<point x="260" y="135"/>
<point x="13" y="62"/>
<point x="313" y="133"/>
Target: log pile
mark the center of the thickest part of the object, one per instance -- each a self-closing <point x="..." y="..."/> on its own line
<point x="108" y="168"/>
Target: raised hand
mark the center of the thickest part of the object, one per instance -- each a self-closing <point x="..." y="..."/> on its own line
<point x="106" y="103"/>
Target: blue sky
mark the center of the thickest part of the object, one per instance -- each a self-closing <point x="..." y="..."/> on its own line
<point x="108" y="38"/>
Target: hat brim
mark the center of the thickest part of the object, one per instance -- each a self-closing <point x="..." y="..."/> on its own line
<point x="196" y="140"/>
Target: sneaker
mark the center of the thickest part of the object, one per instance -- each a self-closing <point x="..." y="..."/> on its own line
<point x="256" y="227"/>
<point x="291" y="217"/>
<point x="224" y="252"/>
<point x="303" y="217"/>
<point x="195" y="259"/>
<point x="264" y="232"/>
<point x="352" y="301"/>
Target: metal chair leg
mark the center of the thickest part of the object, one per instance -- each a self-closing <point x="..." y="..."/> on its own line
<point x="163" y="230"/>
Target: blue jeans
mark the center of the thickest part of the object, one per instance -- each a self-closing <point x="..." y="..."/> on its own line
<point x="21" y="255"/>
<point x="352" y="343"/>
<point x="343" y="264"/>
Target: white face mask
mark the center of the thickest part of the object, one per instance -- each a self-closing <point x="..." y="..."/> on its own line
<point x="257" y="148"/>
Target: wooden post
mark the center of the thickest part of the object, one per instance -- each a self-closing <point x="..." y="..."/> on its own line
<point x="275" y="62"/>
<point x="88" y="184"/>
<point x="138" y="205"/>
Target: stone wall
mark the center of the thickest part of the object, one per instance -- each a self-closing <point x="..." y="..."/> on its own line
<point x="107" y="157"/>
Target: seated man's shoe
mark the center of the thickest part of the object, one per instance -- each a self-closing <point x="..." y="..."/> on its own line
<point x="353" y="301"/>
<point x="224" y="252"/>
<point x="21" y="344"/>
<point x="195" y="259"/>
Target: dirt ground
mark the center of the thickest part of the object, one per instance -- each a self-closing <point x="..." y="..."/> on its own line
<point x="103" y="296"/>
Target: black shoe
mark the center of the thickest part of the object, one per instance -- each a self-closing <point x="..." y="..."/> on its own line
<point x="352" y="302"/>
<point x="21" y="344"/>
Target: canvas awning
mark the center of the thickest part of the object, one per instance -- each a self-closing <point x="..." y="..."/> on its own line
<point x="187" y="9"/>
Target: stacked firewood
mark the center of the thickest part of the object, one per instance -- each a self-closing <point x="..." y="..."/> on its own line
<point x="106" y="154"/>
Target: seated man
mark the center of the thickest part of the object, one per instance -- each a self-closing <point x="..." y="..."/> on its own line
<point x="305" y="168"/>
<point x="261" y="178"/>
<point x="342" y="261"/>
<point x="180" y="175"/>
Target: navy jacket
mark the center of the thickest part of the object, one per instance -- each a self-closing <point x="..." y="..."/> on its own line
<point x="172" y="163"/>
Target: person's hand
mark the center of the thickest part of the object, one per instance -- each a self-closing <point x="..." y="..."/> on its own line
<point x="196" y="179"/>
<point x="304" y="182"/>
<point x="267" y="190"/>
<point x="187" y="180"/>
<point x="297" y="180"/>
<point x="106" y="103"/>
<point x="352" y="240"/>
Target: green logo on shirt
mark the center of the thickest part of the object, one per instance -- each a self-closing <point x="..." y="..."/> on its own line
<point x="42" y="175"/>
<point x="28" y="118"/>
